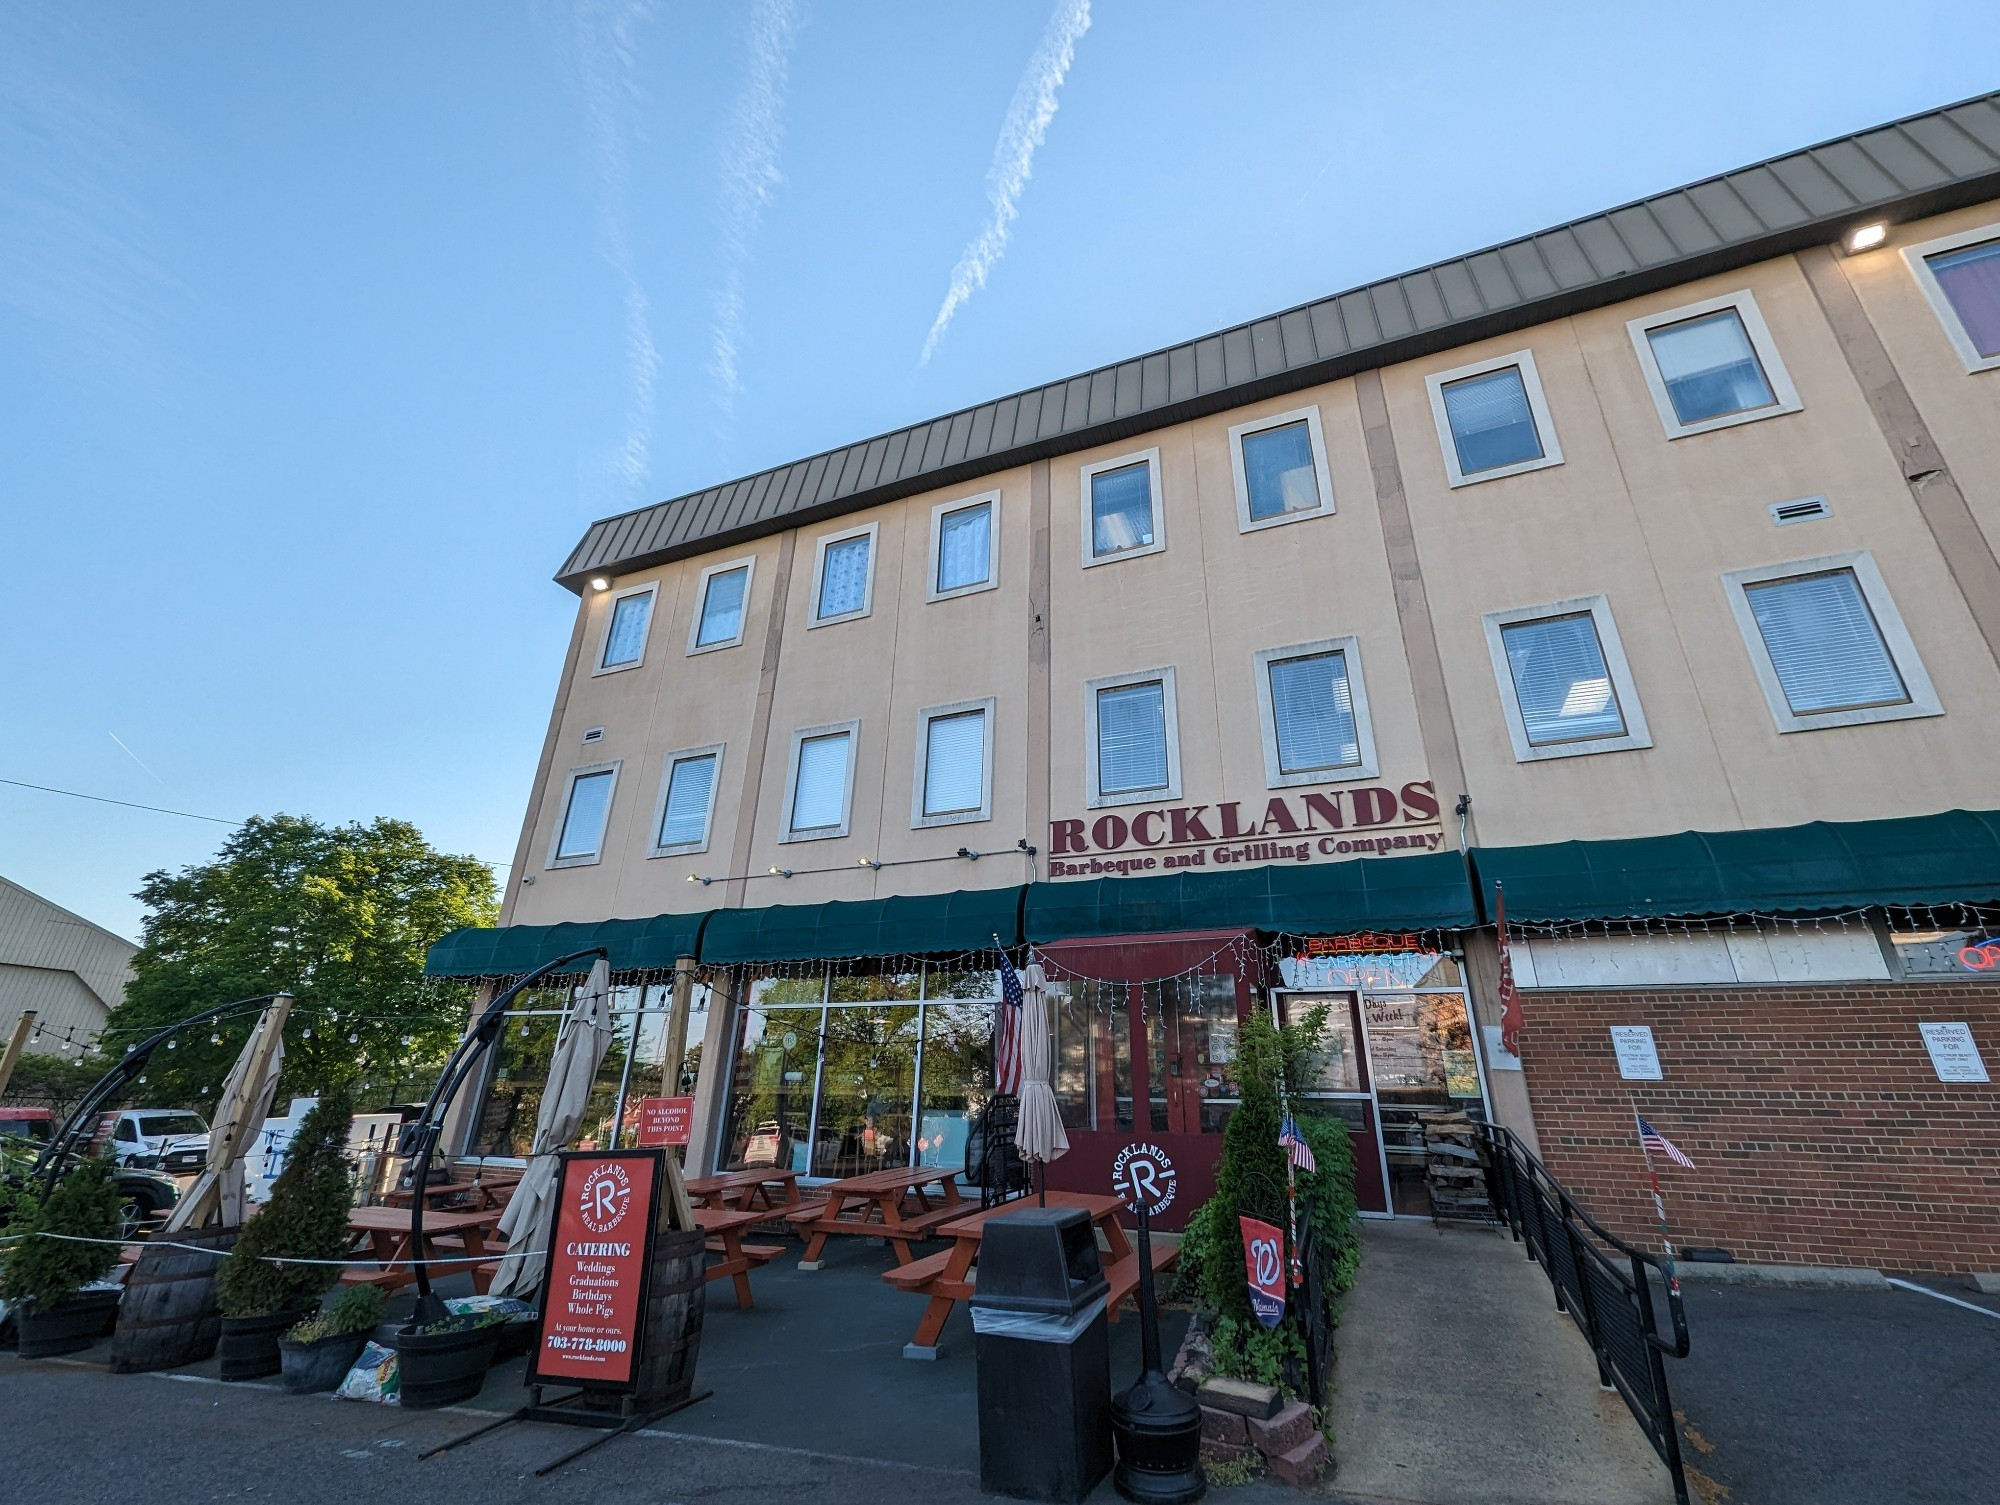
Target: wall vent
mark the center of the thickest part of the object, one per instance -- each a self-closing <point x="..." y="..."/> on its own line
<point x="595" y="734"/>
<point x="1805" y="510"/>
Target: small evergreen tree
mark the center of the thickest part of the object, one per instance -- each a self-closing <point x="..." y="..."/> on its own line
<point x="306" y="1219"/>
<point x="46" y="1272"/>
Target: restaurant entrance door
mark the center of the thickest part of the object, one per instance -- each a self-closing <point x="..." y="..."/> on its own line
<point x="1145" y="1055"/>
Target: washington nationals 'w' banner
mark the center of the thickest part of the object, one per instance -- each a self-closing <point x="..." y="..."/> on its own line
<point x="1264" y="1258"/>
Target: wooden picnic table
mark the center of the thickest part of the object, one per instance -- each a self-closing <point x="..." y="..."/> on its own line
<point x="382" y="1234"/>
<point x="726" y="1227"/>
<point x="739" y="1191"/>
<point x="487" y="1194"/>
<point x="948" y="1277"/>
<point x="873" y="1205"/>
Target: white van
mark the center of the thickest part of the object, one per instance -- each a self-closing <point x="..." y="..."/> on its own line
<point x="145" y="1136"/>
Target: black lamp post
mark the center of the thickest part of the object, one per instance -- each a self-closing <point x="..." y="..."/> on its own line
<point x="419" y="1138"/>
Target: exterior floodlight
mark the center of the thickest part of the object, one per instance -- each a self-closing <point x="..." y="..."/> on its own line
<point x="599" y="583"/>
<point x="1866" y="237"/>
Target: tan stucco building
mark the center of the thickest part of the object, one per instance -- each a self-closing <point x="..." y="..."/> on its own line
<point x="1679" y="519"/>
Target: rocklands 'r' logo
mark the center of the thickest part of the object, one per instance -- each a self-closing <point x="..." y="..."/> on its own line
<point x="607" y="1193"/>
<point x="1144" y="1176"/>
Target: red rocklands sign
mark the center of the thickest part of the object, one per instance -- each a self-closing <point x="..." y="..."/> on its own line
<point x="1286" y="828"/>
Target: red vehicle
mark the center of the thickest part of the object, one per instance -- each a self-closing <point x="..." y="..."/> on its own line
<point x="38" y="1125"/>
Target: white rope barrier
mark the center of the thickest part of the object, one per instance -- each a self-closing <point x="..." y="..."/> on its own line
<point x="273" y="1259"/>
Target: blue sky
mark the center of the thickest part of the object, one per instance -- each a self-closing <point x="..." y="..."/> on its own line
<point x="324" y="331"/>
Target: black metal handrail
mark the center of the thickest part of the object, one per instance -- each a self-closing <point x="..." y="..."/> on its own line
<point x="1603" y="1283"/>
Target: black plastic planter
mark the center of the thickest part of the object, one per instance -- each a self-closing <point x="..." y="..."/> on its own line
<point x="249" y="1345"/>
<point x="67" y="1327"/>
<point x="310" y="1368"/>
<point x="441" y="1369"/>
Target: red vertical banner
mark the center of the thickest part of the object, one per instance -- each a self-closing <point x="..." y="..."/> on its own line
<point x="1511" y="1019"/>
<point x="1264" y="1261"/>
<point x="594" y="1295"/>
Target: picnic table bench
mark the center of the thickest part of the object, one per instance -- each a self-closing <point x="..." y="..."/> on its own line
<point x="947" y="1277"/>
<point x="874" y="1205"/>
<point x="482" y="1195"/>
<point x="726" y="1227"/>
<point x="740" y="1191"/>
<point x="457" y="1240"/>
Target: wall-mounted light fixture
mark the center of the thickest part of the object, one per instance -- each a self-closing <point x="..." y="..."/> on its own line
<point x="968" y="854"/>
<point x="1865" y="237"/>
<point x="868" y="862"/>
<point x="781" y="872"/>
<point x="599" y="583"/>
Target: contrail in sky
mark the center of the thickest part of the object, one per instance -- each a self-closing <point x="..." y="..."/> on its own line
<point x="1021" y="133"/>
<point x="750" y="177"/>
<point x="608" y="67"/>
<point x="135" y="757"/>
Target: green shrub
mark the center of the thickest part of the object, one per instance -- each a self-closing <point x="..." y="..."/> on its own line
<point x="46" y="1272"/>
<point x="358" y="1309"/>
<point x="306" y="1219"/>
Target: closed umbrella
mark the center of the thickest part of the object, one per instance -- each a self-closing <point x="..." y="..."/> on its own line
<point x="1039" y="1135"/>
<point x="239" y="1117"/>
<point x="580" y="1048"/>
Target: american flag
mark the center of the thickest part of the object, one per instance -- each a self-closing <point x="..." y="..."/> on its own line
<point x="1007" y="1032"/>
<point x="1652" y="1140"/>
<point x="1296" y="1147"/>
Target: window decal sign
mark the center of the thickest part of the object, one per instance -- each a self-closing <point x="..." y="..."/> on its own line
<point x="592" y="1326"/>
<point x="1144" y="1175"/>
<point x="1264" y="1262"/>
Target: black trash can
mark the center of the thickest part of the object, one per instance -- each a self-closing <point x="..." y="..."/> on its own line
<point x="1044" y="1356"/>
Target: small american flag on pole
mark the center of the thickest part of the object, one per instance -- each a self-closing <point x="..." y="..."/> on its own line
<point x="1293" y="1145"/>
<point x="1007" y="1032"/>
<point x="1651" y="1139"/>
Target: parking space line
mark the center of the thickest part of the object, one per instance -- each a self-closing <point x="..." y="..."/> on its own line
<point x="1910" y="1285"/>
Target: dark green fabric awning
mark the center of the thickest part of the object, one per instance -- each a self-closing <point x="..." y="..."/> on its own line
<point x="1429" y="892"/>
<point x="515" y="949"/>
<point x="912" y="925"/>
<point x="1928" y="859"/>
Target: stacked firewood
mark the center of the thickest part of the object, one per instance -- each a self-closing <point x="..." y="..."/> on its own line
<point x="1454" y="1169"/>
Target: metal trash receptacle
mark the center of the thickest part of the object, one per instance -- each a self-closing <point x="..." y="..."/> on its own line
<point x="1043" y="1354"/>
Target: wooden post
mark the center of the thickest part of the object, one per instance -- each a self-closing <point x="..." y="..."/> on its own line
<point x="15" y="1046"/>
<point x="677" y="1028"/>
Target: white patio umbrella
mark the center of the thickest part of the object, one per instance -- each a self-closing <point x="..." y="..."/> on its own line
<point x="239" y="1118"/>
<point x="1039" y="1134"/>
<point x="580" y="1048"/>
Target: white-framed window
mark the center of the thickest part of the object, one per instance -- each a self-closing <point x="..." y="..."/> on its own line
<point x="844" y="576"/>
<point x="1565" y="687"/>
<point x="1492" y="419"/>
<point x="1280" y="468"/>
<point x="586" y="814"/>
<point x="626" y="627"/>
<point x="819" y="781"/>
<point x="1827" y="643"/>
<point x="965" y="547"/>
<point x="721" y="606"/>
<point x="686" y="812"/>
<point x="1960" y="275"/>
<point x="1314" y="714"/>
<point x="1123" y="515"/>
<point x="954" y="773"/>
<point x="1712" y="365"/>
<point x="1132" y="750"/>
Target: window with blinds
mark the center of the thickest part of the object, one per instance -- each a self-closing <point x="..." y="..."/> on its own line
<point x="684" y="812"/>
<point x="584" y="815"/>
<point x="819" y="794"/>
<point x="1561" y="681"/>
<point x="1121" y="509"/>
<point x="965" y="547"/>
<point x="722" y="608"/>
<point x="843" y="579"/>
<point x="1132" y="738"/>
<point x="1709" y="367"/>
<point x="1970" y="281"/>
<point x="1278" y="471"/>
<point x="1825" y="644"/>
<point x="625" y="638"/>
<point x="1312" y="705"/>
<point x="1492" y="423"/>
<point x="955" y="763"/>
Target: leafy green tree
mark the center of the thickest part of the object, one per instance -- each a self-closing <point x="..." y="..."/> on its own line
<point x="306" y="1219"/>
<point x="46" y="1272"/>
<point x="339" y="916"/>
<point x="44" y="1079"/>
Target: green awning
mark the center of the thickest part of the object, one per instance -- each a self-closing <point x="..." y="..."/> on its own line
<point x="915" y="925"/>
<point x="1953" y="858"/>
<point x="511" y="950"/>
<point x="1430" y="892"/>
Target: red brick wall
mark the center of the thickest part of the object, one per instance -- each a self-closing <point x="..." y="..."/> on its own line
<point x="1819" y="1131"/>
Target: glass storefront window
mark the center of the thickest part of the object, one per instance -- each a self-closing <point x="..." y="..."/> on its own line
<point x="771" y="1089"/>
<point x="1075" y="1006"/>
<point x="958" y="1078"/>
<point x="1420" y="1049"/>
<point x="868" y="1074"/>
<point x="522" y="1053"/>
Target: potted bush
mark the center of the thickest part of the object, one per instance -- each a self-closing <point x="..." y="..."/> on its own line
<point x="444" y="1362"/>
<point x="318" y="1352"/>
<point x="45" y="1277"/>
<point x="259" y="1292"/>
